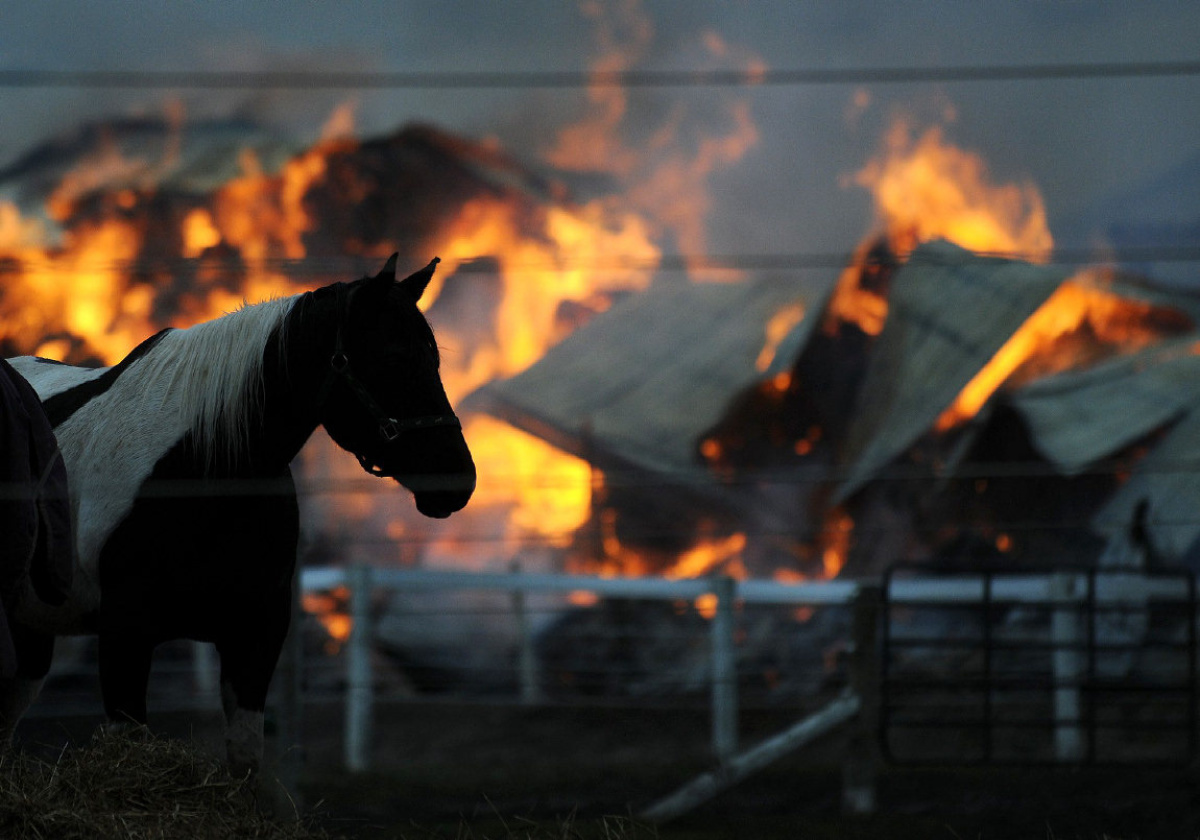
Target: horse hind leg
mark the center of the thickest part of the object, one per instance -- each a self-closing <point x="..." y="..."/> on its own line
<point x="244" y="729"/>
<point x="16" y="696"/>
<point x="34" y="651"/>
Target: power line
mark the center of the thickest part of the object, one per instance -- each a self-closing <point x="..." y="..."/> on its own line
<point x="779" y="261"/>
<point x="576" y="79"/>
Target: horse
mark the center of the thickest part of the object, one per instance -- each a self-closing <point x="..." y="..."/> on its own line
<point x="183" y="503"/>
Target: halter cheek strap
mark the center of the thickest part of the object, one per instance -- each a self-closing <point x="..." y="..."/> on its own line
<point x="390" y="428"/>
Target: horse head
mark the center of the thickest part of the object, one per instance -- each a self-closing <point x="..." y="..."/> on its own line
<point x="385" y="401"/>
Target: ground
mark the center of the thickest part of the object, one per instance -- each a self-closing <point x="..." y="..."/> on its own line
<point x="485" y="770"/>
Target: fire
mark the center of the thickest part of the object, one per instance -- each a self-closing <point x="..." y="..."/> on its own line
<point x="658" y="180"/>
<point x="1074" y="306"/>
<point x="853" y="301"/>
<point x="708" y="555"/>
<point x="836" y="536"/>
<point x="330" y="609"/>
<point x="778" y="326"/>
<point x="540" y="270"/>
<point x="705" y="557"/>
<point x="926" y="189"/>
<point x="84" y="284"/>
<point x="549" y="490"/>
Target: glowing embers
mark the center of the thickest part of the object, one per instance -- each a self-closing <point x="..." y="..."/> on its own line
<point x="331" y="610"/>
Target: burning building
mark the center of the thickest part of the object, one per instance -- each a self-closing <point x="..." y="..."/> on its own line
<point x="934" y="404"/>
<point x="950" y="395"/>
<point x="629" y="419"/>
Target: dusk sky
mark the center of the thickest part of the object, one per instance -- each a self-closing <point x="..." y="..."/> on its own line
<point x="1088" y="144"/>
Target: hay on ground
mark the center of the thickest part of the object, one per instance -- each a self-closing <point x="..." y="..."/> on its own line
<point x="118" y="786"/>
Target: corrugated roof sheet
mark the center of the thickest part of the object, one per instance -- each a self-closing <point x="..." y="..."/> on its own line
<point x="1080" y="417"/>
<point x="949" y="312"/>
<point x="642" y="382"/>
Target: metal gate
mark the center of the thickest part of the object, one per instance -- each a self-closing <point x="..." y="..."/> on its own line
<point x="1068" y="667"/>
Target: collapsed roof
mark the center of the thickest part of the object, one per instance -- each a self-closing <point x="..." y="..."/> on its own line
<point x="642" y="383"/>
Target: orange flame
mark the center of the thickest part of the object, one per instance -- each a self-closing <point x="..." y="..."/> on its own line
<point x="927" y="189"/>
<point x="778" y="326"/>
<point x="835" y="541"/>
<point x="1073" y="306"/>
<point x="659" y="181"/>
<point x="329" y="608"/>
<point x="549" y="490"/>
<point x="707" y="555"/>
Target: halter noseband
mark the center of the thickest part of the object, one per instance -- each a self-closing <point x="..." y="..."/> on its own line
<point x="390" y="428"/>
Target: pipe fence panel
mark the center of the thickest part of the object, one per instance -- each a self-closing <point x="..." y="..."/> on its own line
<point x="993" y="667"/>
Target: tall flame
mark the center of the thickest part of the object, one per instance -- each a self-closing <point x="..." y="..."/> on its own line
<point x="925" y="188"/>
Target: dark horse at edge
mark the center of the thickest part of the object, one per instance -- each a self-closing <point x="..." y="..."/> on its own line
<point x="185" y="512"/>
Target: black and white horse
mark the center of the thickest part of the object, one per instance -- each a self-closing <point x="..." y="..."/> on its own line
<point x="183" y="503"/>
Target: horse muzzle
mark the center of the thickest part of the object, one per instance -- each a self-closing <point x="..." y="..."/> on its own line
<point x="438" y="496"/>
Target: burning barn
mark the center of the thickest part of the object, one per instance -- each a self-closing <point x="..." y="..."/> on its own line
<point x="928" y="403"/>
<point x="1002" y="408"/>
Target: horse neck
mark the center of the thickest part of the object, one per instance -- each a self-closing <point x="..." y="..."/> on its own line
<point x="295" y="370"/>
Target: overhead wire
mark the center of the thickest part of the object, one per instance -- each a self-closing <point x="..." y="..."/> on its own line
<point x="759" y="76"/>
<point x="765" y="262"/>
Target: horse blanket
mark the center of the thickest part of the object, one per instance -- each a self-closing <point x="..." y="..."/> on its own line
<point x="36" y="544"/>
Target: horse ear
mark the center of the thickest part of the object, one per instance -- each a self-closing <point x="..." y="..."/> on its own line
<point x="415" y="283"/>
<point x="376" y="288"/>
<point x="388" y="273"/>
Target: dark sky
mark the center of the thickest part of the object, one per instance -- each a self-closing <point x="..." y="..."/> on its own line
<point x="1087" y="144"/>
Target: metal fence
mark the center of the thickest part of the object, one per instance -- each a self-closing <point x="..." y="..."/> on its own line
<point x="990" y="667"/>
<point x="972" y="667"/>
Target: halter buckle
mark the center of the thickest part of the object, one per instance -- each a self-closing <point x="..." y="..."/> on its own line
<point x="389" y="429"/>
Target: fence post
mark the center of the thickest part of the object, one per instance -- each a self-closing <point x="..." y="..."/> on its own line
<point x="528" y="678"/>
<point x="1065" y="639"/>
<point x="861" y="766"/>
<point x="359" y="686"/>
<point x="204" y="668"/>
<point x="724" y="671"/>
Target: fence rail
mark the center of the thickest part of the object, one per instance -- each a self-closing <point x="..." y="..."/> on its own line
<point x="726" y="591"/>
<point x="1054" y="590"/>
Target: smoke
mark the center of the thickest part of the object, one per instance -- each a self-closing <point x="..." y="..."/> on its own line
<point x="1082" y="142"/>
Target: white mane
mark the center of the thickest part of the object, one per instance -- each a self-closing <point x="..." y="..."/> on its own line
<point x="210" y="375"/>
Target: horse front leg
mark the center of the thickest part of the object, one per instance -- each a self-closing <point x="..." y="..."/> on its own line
<point x="247" y="664"/>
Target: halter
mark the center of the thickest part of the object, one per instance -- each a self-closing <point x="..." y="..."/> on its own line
<point x="390" y="428"/>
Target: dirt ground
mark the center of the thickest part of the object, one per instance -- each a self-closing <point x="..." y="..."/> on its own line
<point x="483" y="770"/>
